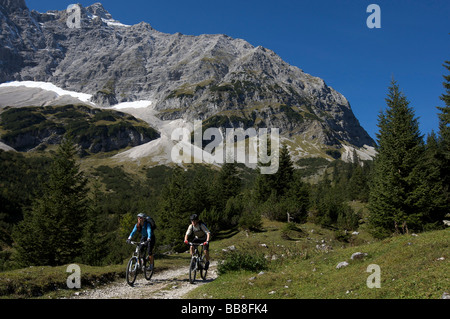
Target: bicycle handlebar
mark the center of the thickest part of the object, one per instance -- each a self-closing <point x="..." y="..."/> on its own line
<point x="196" y="244"/>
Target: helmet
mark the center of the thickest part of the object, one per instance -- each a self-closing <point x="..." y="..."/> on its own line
<point x="194" y="217"/>
<point x="142" y="215"/>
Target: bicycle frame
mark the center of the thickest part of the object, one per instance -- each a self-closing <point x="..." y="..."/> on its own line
<point x="137" y="252"/>
<point x="136" y="263"/>
<point x="196" y="263"/>
<point x="197" y="252"/>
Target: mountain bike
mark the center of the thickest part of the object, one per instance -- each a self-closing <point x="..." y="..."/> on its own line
<point x="138" y="263"/>
<point x="197" y="263"/>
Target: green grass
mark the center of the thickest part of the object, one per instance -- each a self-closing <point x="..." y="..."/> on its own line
<point x="411" y="267"/>
<point x="39" y="280"/>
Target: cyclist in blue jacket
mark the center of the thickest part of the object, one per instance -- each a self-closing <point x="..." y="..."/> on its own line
<point x="147" y="236"/>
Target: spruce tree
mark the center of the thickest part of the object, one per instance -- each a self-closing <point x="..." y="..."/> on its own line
<point x="95" y="234"/>
<point x="202" y="193"/>
<point x="437" y="205"/>
<point x="176" y="205"/>
<point x="228" y="185"/>
<point x="297" y="199"/>
<point x="444" y="138"/>
<point x="284" y="177"/>
<point x="51" y="232"/>
<point x="278" y="183"/>
<point x="397" y="192"/>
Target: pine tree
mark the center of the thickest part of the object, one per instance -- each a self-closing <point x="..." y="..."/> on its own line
<point x="176" y="205"/>
<point x="284" y="177"/>
<point x="202" y="193"/>
<point x="228" y="185"/>
<point x="437" y="205"/>
<point x="396" y="197"/>
<point x="358" y="184"/>
<point x="51" y="231"/>
<point x="278" y="183"/>
<point x="95" y="233"/>
<point x="444" y="138"/>
<point x="297" y="199"/>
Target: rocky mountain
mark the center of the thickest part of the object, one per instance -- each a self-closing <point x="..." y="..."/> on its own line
<point x="223" y="81"/>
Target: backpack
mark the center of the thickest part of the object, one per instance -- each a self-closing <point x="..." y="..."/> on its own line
<point x="151" y="222"/>
<point x="202" y="222"/>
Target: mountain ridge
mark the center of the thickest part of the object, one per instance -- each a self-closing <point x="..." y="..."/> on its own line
<point x="186" y="77"/>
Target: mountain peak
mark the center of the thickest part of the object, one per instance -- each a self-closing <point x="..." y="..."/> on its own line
<point x="225" y="82"/>
<point x="97" y="9"/>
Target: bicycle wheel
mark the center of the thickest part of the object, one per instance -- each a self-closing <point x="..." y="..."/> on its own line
<point x="148" y="273"/>
<point x="192" y="270"/>
<point x="203" y="271"/>
<point x="132" y="270"/>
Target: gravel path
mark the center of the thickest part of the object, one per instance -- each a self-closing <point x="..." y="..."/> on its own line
<point x="169" y="284"/>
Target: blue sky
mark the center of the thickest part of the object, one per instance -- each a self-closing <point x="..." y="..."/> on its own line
<point x="328" y="39"/>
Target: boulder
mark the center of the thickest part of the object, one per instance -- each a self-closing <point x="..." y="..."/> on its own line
<point x="358" y="255"/>
<point x="342" y="264"/>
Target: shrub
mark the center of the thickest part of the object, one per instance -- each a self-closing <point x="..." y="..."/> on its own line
<point x="242" y="260"/>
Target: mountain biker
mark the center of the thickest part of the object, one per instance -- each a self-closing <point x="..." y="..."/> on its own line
<point x="201" y="235"/>
<point x="147" y="236"/>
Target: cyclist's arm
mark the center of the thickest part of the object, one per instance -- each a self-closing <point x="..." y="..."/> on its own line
<point x="133" y="232"/>
<point x="149" y="230"/>
<point x="188" y="232"/>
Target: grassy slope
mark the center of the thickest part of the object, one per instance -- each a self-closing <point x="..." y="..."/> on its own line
<point x="411" y="267"/>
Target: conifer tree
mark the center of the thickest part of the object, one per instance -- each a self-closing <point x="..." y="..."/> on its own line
<point x="397" y="194"/>
<point x="437" y="205"/>
<point x="176" y="205"/>
<point x="278" y="183"/>
<point x="227" y="186"/>
<point x="284" y="177"/>
<point x="202" y="193"/>
<point x="95" y="234"/>
<point x="51" y="231"/>
<point x="444" y="137"/>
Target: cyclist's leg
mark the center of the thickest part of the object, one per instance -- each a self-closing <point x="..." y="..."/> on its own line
<point x="151" y="245"/>
<point x="142" y="250"/>
<point x="206" y="251"/>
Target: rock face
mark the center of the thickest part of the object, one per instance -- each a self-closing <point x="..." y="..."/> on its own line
<point x="190" y="77"/>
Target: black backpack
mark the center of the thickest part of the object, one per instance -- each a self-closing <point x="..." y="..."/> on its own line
<point x="151" y="222"/>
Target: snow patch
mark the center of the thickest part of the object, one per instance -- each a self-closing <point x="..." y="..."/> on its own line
<point x="48" y="87"/>
<point x="133" y="105"/>
<point x="115" y="23"/>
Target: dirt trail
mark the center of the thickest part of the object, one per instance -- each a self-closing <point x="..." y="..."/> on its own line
<point x="169" y="284"/>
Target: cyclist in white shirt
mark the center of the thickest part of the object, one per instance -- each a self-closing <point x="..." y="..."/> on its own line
<point x="201" y="235"/>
